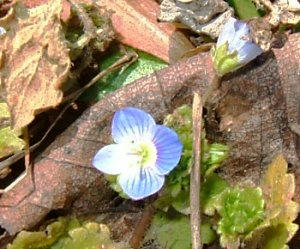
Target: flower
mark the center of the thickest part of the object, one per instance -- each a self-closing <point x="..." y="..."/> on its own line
<point x="235" y="47"/>
<point x="142" y="155"/>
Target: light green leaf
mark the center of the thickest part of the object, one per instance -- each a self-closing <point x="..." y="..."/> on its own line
<point x="10" y="142"/>
<point x="245" y="9"/>
<point x="67" y="234"/>
<point x="241" y="210"/>
<point x="211" y="191"/>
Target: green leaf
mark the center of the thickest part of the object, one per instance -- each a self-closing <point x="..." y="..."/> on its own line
<point x="10" y="142"/>
<point x="42" y="239"/>
<point x="213" y="157"/>
<point x="4" y="112"/>
<point x="275" y="237"/>
<point x="241" y="210"/>
<point x="172" y="231"/>
<point x="245" y="9"/>
<point x="66" y="234"/>
<point x="224" y="61"/>
<point x="182" y="202"/>
<point x="176" y="192"/>
<point x="211" y="191"/>
<point x="145" y="65"/>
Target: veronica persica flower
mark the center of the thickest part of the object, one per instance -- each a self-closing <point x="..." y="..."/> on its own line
<point x="235" y="47"/>
<point x="142" y="155"/>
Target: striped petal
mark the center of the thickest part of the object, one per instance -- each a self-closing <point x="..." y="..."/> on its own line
<point x="249" y="52"/>
<point x="169" y="148"/>
<point x="140" y="182"/>
<point x="227" y="32"/>
<point x="114" y="159"/>
<point x="239" y="37"/>
<point x="131" y="125"/>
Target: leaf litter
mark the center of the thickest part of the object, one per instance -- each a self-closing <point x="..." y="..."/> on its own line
<point x="35" y="60"/>
<point x="268" y="108"/>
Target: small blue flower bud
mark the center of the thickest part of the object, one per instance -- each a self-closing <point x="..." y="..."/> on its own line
<point x="235" y="47"/>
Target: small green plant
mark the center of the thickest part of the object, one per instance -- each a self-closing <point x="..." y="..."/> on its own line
<point x="178" y="226"/>
<point x="176" y="191"/>
<point x="256" y="217"/>
<point x="67" y="233"/>
<point x="241" y="211"/>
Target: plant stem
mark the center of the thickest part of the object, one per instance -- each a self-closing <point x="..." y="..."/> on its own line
<point x="196" y="173"/>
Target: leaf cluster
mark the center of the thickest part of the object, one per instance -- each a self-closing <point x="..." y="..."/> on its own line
<point x="176" y="191"/>
<point x="258" y="217"/>
<point x="67" y="233"/>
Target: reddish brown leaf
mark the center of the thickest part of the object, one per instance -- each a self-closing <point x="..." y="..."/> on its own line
<point x="137" y="26"/>
<point x="63" y="173"/>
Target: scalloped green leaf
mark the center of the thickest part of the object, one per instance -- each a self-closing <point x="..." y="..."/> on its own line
<point x="67" y="234"/>
<point x="241" y="210"/>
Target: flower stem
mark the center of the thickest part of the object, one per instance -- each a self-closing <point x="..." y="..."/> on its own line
<point x="196" y="173"/>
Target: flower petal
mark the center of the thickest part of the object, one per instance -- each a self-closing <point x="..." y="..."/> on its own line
<point x="169" y="148"/>
<point x="131" y="124"/>
<point x="140" y="182"/>
<point x="240" y="37"/>
<point x="227" y="32"/>
<point x="114" y="159"/>
<point x="248" y="52"/>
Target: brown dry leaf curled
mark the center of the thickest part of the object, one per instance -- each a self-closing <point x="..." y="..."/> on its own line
<point x="35" y="60"/>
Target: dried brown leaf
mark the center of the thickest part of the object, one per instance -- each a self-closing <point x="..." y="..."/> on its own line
<point x="36" y="61"/>
<point x="257" y="106"/>
<point x="136" y="24"/>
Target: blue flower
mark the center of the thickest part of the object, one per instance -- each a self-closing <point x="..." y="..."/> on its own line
<point x="142" y="155"/>
<point x="235" y="47"/>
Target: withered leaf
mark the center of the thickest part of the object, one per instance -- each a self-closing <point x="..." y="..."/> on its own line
<point x="35" y="60"/>
<point x="137" y="26"/>
<point x="257" y="105"/>
<point x="63" y="174"/>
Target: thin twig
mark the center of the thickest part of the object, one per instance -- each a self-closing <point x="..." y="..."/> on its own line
<point x="196" y="173"/>
<point x="127" y="58"/>
<point x="142" y="227"/>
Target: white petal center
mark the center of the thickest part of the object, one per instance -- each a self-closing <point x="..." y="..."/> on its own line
<point x="145" y="152"/>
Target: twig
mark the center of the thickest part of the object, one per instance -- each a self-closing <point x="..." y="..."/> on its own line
<point x="141" y="228"/>
<point x="127" y="58"/>
<point x="196" y="173"/>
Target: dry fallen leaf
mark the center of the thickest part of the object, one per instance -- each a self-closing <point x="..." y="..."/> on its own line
<point x="257" y="107"/>
<point x="35" y="60"/>
<point x="137" y="26"/>
<point x="63" y="174"/>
